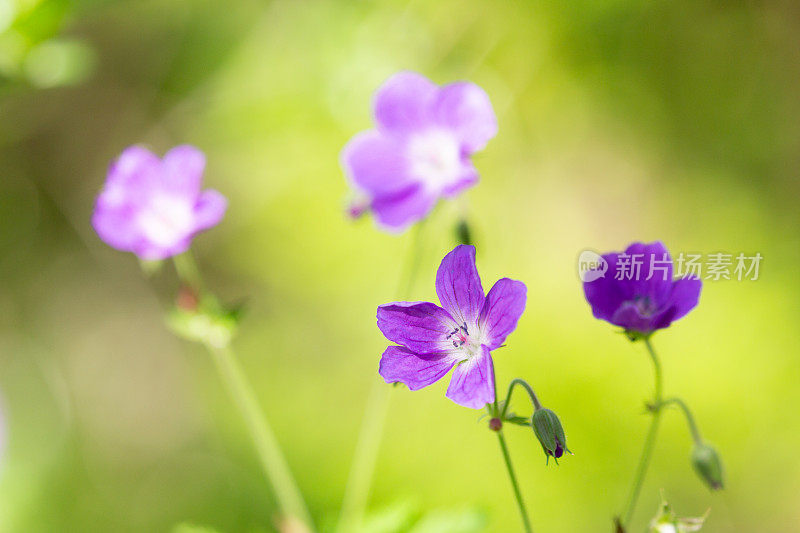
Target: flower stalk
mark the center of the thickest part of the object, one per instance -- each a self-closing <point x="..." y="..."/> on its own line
<point x="650" y="440"/>
<point x="279" y="476"/>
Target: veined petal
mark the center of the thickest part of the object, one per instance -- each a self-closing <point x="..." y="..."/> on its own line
<point x="501" y="310"/>
<point x="472" y="383"/>
<point x="401" y="365"/>
<point x="375" y="163"/>
<point x="422" y="327"/>
<point x="629" y="316"/>
<point x="183" y="168"/>
<point x="465" y="108"/>
<point x="403" y="102"/>
<point x="459" y="286"/>
<point x="396" y="212"/>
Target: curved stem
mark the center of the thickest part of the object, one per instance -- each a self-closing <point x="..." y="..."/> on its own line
<point x="519" y="381"/>
<point x="649" y="443"/>
<point x="520" y="504"/>
<point x="272" y="461"/>
<point x="368" y="444"/>
<point x="693" y="429"/>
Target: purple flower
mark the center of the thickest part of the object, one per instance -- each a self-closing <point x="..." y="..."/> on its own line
<point x="637" y="291"/>
<point x="420" y="150"/>
<point x="154" y="207"/>
<point x="462" y="333"/>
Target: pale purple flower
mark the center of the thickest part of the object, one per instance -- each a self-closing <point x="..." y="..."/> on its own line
<point x="461" y="334"/>
<point x="420" y="149"/>
<point x="154" y="207"/>
<point x="638" y="291"/>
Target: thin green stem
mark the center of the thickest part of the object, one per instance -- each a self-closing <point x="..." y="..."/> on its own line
<point x="357" y="489"/>
<point x="520" y="504"/>
<point x="649" y="443"/>
<point x="521" y="382"/>
<point x="187" y="270"/>
<point x="290" y="499"/>
<point x="693" y="429"/>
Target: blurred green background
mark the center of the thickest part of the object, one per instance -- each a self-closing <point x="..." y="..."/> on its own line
<point x="619" y="120"/>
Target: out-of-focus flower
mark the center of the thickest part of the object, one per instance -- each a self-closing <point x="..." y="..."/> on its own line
<point x="637" y="291"/>
<point x="667" y="522"/>
<point x="154" y="207"/>
<point x="420" y="150"/>
<point x="461" y="334"/>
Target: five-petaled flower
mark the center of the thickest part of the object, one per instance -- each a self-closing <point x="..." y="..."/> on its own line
<point x="154" y="207"/>
<point x="636" y="303"/>
<point x="462" y="333"/>
<point x="420" y="150"/>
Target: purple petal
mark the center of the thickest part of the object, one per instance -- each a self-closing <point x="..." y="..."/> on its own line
<point x="403" y="102"/>
<point x="115" y="226"/>
<point x="465" y="108"/>
<point x="375" y="163"/>
<point x="209" y="209"/>
<point x="629" y="317"/>
<point x="183" y="168"/>
<point x="684" y="297"/>
<point x="472" y="384"/>
<point x="396" y="212"/>
<point x="401" y="365"/>
<point x="422" y="327"/>
<point x="459" y="286"/>
<point x="605" y="295"/>
<point x="469" y="177"/>
<point x="503" y="306"/>
<point x="659" y="286"/>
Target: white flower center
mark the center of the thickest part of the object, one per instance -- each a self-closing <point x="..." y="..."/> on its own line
<point x="166" y="219"/>
<point x="435" y="157"/>
<point x="466" y="340"/>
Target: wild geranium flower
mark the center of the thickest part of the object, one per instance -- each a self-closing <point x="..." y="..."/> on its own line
<point x="420" y="150"/>
<point x="461" y="334"/>
<point x="154" y="207"/>
<point x="638" y="291"/>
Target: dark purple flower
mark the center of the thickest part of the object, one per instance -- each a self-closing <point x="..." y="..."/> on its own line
<point x="638" y="291"/>
<point x="461" y="333"/>
<point x="154" y="207"/>
<point x="420" y="150"/>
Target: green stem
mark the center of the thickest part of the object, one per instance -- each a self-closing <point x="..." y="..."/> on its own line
<point x="357" y="489"/>
<point x="521" y="382"/>
<point x="649" y="442"/>
<point x="693" y="429"/>
<point x="187" y="270"/>
<point x="520" y="504"/>
<point x="272" y="461"/>
<point x="290" y="499"/>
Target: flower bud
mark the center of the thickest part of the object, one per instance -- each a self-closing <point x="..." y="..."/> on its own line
<point x="495" y="424"/>
<point x="550" y="433"/>
<point x="707" y="464"/>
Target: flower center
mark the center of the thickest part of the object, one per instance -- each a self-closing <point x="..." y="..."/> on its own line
<point x="435" y="158"/>
<point x="465" y="344"/>
<point x="645" y="305"/>
<point x="166" y="219"/>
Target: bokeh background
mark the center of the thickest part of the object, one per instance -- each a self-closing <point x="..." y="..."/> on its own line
<point x="619" y="120"/>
